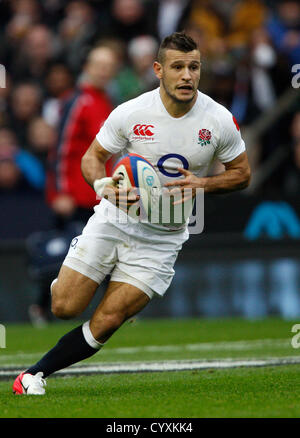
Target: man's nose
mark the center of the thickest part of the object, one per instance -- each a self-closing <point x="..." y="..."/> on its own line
<point x="186" y="74"/>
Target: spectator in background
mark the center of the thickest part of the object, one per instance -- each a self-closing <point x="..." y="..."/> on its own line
<point x="9" y="171"/>
<point x="291" y="181"/>
<point x="138" y="76"/>
<point x="270" y="70"/>
<point x="42" y="138"/>
<point x="295" y="128"/>
<point x="82" y="116"/>
<point x="284" y="29"/>
<point x="34" y="54"/>
<point x="170" y="15"/>
<point x="223" y="32"/>
<point x="129" y="19"/>
<point x="25" y="14"/>
<point x="59" y="86"/>
<point x="18" y="168"/>
<point x="204" y="17"/>
<point x="245" y="16"/>
<point x="142" y="53"/>
<point x="77" y="31"/>
<point x="26" y="8"/>
<point x="262" y="75"/>
<point x="25" y="104"/>
<point x="69" y="196"/>
<point x="4" y="101"/>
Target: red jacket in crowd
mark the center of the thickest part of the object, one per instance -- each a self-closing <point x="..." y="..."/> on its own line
<point x="81" y="118"/>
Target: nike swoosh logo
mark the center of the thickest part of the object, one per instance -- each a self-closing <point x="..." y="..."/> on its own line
<point x="25" y="389"/>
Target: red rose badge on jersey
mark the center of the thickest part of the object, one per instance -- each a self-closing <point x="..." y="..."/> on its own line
<point x="204" y="137"/>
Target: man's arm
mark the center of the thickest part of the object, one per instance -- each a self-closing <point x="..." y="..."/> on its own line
<point x="93" y="171"/>
<point x="93" y="163"/>
<point x="235" y="177"/>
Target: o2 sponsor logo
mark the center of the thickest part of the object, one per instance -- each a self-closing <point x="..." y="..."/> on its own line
<point x="162" y="167"/>
<point x="192" y="208"/>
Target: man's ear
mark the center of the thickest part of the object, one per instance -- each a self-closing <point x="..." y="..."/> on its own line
<point x="157" y="67"/>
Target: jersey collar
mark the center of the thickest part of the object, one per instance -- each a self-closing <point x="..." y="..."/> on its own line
<point x="166" y="112"/>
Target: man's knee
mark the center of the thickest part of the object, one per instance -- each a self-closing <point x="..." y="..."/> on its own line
<point x="62" y="309"/>
<point x="71" y="293"/>
<point x="53" y="286"/>
<point x="61" y="305"/>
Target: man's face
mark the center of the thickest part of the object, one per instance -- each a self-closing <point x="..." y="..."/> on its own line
<point x="25" y="101"/>
<point x="179" y="74"/>
<point x="101" y="67"/>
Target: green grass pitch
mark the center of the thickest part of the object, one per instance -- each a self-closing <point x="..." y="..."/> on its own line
<point x="245" y="392"/>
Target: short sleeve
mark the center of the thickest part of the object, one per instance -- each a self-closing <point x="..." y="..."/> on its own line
<point x="231" y="144"/>
<point x="111" y="135"/>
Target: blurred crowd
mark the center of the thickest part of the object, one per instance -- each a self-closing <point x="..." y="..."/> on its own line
<point x="248" y="49"/>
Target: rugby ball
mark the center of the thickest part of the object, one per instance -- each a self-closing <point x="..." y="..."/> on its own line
<point x="137" y="172"/>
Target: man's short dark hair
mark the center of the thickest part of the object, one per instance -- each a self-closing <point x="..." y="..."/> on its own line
<point x="176" y="41"/>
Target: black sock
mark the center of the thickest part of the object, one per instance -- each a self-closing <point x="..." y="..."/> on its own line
<point x="71" y="348"/>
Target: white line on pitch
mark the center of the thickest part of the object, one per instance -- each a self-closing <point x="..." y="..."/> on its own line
<point x="206" y="346"/>
<point x="203" y="346"/>
<point x="152" y="366"/>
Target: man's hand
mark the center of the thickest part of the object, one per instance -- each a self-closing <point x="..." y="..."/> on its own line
<point x="236" y="176"/>
<point x="185" y="189"/>
<point x="122" y="198"/>
<point x="93" y="171"/>
<point x="100" y="185"/>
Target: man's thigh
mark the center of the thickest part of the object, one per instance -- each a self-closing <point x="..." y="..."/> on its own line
<point x="90" y="258"/>
<point x="72" y="292"/>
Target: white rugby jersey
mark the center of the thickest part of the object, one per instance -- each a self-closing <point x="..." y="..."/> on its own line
<point x="143" y="126"/>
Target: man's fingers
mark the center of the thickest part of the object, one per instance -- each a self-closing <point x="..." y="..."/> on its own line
<point x="122" y="198"/>
<point x="184" y="171"/>
<point x="118" y="177"/>
<point x="181" y="195"/>
<point x="175" y="191"/>
<point x="182" y="200"/>
<point x="179" y="182"/>
<point x="130" y="198"/>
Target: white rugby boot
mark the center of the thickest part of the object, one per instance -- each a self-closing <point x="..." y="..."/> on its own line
<point x="29" y="384"/>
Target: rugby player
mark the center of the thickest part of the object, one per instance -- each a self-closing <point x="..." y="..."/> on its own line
<point x="181" y="131"/>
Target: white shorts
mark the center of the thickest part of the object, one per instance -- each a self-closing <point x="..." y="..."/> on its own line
<point x="133" y="254"/>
